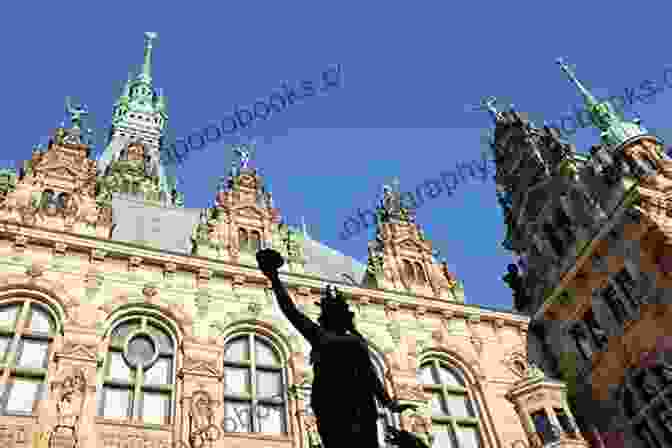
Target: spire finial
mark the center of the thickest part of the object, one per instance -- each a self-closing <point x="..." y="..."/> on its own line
<point x="303" y="227"/>
<point x="76" y="112"/>
<point x="244" y="151"/>
<point x="614" y="129"/>
<point x="589" y="98"/>
<point x="489" y="105"/>
<point x="147" y="64"/>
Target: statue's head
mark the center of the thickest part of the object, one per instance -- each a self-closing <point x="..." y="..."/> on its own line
<point x="336" y="315"/>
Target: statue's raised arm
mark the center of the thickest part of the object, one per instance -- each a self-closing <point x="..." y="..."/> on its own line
<point x="269" y="263"/>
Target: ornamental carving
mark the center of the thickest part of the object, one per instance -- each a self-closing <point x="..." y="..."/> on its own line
<point x="79" y="351"/>
<point x="202" y="419"/>
<point x="200" y="367"/>
<point x="409" y="391"/>
<point x="70" y="393"/>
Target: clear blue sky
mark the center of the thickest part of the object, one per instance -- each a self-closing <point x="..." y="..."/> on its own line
<point x="409" y="73"/>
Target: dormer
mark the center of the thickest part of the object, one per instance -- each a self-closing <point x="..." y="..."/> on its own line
<point x="401" y="258"/>
<point x="56" y="187"/>
<point x="244" y="220"/>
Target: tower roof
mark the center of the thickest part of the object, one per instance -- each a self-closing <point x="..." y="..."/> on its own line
<point x="615" y="130"/>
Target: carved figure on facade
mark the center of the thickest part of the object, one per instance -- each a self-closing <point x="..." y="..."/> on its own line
<point x="77" y="112"/>
<point x="448" y="276"/>
<point x="374" y="264"/>
<point x="202" y="426"/>
<point x="71" y="394"/>
<point x="515" y="281"/>
<point x="244" y="153"/>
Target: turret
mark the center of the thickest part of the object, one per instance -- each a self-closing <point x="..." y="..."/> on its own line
<point x="131" y="162"/>
<point x="401" y="257"/>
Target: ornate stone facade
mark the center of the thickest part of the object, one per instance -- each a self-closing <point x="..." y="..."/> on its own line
<point x="115" y="343"/>
<point x="594" y="232"/>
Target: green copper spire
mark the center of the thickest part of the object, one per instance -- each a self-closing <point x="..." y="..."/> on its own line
<point x="146" y="74"/>
<point x="161" y="102"/>
<point x="614" y="129"/>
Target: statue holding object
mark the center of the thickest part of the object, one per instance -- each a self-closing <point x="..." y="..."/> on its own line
<point x="340" y="355"/>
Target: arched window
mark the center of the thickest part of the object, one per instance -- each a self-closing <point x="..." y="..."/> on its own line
<point x="647" y="403"/>
<point x="26" y="330"/>
<point x="242" y="239"/>
<point x="420" y="276"/>
<point x="139" y="373"/>
<point x="454" y="411"/>
<point x="48" y="199"/>
<point x="385" y="417"/>
<point x="408" y="270"/>
<point x="254" y="387"/>
<point x="255" y="241"/>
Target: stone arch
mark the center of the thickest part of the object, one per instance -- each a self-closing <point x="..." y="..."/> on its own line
<point x="50" y="293"/>
<point x="281" y="342"/>
<point x="173" y="315"/>
<point x="278" y="336"/>
<point x="457" y="356"/>
<point x="472" y="372"/>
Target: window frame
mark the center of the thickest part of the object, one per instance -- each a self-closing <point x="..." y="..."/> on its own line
<point x="135" y="385"/>
<point x="251" y="365"/>
<point x="446" y="420"/>
<point x="17" y="332"/>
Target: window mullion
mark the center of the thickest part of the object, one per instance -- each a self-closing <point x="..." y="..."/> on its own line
<point x="137" y="395"/>
<point x="21" y="322"/>
<point x="253" y="382"/>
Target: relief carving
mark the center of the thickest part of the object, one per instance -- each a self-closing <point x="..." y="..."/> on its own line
<point x="71" y="394"/>
<point x="200" y="367"/>
<point x="408" y="391"/>
<point x="202" y="426"/>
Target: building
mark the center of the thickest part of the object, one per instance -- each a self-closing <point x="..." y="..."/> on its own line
<point x="128" y="321"/>
<point x="592" y="231"/>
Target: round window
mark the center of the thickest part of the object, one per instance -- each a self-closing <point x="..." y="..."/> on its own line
<point x="141" y="350"/>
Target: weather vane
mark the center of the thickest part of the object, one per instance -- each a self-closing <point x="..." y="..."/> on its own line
<point x="244" y="151"/>
<point x="76" y="112"/>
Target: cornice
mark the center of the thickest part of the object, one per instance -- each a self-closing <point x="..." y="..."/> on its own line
<point x="217" y="268"/>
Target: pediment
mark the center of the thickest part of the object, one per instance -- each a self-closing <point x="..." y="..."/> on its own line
<point x="200" y="367"/>
<point x="79" y="351"/>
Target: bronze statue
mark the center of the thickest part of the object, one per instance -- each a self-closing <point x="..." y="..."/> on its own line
<point x="345" y="384"/>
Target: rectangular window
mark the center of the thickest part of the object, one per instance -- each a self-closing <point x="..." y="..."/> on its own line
<point x="627" y="284"/>
<point x="563" y="419"/>
<point x="556" y="243"/>
<point x="156" y="408"/>
<point x="599" y="336"/>
<point x="611" y="297"/>
<point x="22" y="394"/>
<point x="116" y="403"/>
<point x="543" y="426"/>
<point x="564" y="225"/>
<point x="33" y="354"/>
